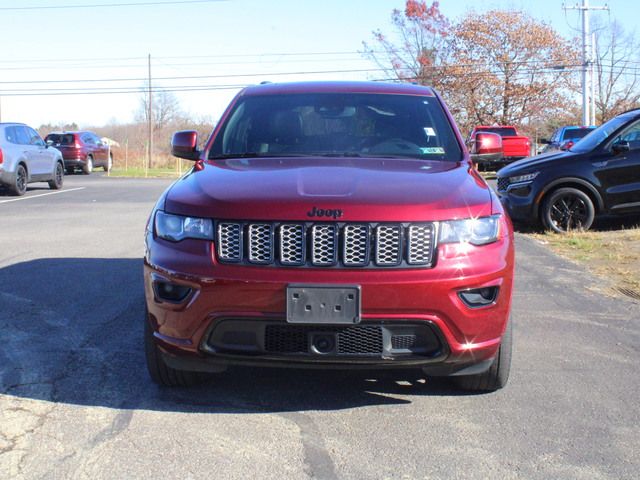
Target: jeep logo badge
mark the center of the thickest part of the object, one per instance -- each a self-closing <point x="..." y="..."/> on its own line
<point x="322" y="212"/>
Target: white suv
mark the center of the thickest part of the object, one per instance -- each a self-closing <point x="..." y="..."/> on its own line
<point x="25" y="158"/>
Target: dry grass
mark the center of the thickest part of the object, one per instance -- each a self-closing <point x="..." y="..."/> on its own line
<point x="139" y="172"/>
<point x="613" y="254"/>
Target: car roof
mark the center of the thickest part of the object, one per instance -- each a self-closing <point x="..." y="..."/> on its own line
<point x="338" y="87"/>
<point x="66" y="132"/>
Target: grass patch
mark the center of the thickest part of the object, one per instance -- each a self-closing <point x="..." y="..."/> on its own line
<point x="140" y="173"/>
<point x="613" y="254"/>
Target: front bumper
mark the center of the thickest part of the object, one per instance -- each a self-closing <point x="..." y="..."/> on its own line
<point x="520" y="203"/>
<point x="225" y="318"/>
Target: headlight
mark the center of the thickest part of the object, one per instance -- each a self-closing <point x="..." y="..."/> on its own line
<point x="477" y="231"/>
<point x="176" y="227"/>
<point x="523" y="178"/>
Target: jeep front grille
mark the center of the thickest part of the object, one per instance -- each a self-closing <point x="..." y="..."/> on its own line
<point x="337" y="244"/>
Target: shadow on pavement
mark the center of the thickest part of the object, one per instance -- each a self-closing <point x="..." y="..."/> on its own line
<point x="71" y="332"/>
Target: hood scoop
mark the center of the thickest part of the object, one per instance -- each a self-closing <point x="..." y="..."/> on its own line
<point x="323" y="182"/>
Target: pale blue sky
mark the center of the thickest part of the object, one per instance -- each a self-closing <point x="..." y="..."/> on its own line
<point x="214" y="39"/>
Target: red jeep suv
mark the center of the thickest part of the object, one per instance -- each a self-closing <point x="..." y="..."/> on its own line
<point x="330" y="225"/>
<point x="84" y="150"/>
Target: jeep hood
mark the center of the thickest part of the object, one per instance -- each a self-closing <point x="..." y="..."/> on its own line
<point x="363" y="189"/>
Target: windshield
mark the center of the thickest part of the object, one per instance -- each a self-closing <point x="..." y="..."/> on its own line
<point x="576" y="133"/>
<point x="502" y="131"/>
<point x="332" y="124"/>
<point x="599" y="135"/>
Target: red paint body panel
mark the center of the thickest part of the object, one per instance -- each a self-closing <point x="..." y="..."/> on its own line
<point x="365" y="189"/>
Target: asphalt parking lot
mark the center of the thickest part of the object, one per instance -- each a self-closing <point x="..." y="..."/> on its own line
<point x="76" y="401"/>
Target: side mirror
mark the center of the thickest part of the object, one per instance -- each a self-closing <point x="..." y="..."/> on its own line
<point x="49" y="143"/>
<point x="184" y="144"/>
<point x="567" y="145"/>
<point x="486" y="147"/>
<point x="621" y="146"/>
<point x="544" y="141"/>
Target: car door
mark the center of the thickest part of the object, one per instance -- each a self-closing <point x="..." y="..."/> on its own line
<point x="102" y="151"/>
<point x="43" y="158"/>
<point x="90" y="146"/>
<point x="619" y="173"/>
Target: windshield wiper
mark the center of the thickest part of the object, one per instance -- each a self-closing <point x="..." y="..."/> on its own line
<point x="224" y="156"/>
<point x="342" y="154"/>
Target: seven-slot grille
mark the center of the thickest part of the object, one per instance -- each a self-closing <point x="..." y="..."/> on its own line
<point x="326" y="244"/>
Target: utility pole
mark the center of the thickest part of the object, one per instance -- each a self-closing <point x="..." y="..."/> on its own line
<point x="587" y="61"/>
<point x="150" y="117"/>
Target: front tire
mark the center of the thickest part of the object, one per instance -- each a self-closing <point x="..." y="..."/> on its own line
<point x="568" y="209"/>
<point x="88" y="166"/>
<point x="498" y="374"/>
<point x="19" y="186"/>
<point x="159" y="372"/>
<point x="58" y="177"/>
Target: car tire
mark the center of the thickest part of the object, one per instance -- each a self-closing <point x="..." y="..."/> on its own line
<point x="58" y="177"/>
<point x="498" y="374"/>
<point x="19" y="186"/>
<point x="88" y="166"/>
<point x="159" y="371"/>
<point x="109" y="164"/>
<point x="567" y="209"/>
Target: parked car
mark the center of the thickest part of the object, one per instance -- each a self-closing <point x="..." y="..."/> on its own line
<point x="514" y="145"/>
<point x="565" y="137"/>
<point x="25" y="158"/>
<point x="330" y="225"/>
<point x="566" y="190"/>
<point x="84" y="150"/>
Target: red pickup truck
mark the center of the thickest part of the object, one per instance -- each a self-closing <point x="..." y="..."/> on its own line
<point x="514" y="146"/>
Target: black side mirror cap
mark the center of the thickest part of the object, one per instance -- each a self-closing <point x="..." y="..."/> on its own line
<point x="621" y="146"/>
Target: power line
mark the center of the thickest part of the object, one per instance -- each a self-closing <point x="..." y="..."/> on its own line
<point x="103" y="5"/>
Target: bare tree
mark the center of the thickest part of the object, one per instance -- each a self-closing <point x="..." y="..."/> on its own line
<point x="419" y="54"/>
<point x="166" y="108"/>
<point x="617" y="79"/>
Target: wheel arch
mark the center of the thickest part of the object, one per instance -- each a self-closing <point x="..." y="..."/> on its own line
<point x="571" y="182"/>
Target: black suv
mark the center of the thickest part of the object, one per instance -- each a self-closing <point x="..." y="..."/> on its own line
<point x="566" y="190"/>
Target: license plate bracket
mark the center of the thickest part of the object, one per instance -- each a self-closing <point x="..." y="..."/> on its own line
<point x="314" y="304"/>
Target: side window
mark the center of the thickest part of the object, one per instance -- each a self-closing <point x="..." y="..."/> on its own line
<point x="34" y="137"/>
<point x="22" y="135"/>
<point x="87" y="139"/>
<point x="11" y="135"/>
<point x="631" y="135"/>
<point x="96" y="139"/>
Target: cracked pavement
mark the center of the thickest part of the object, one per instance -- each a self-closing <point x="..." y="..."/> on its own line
<point x="76" y="401"/>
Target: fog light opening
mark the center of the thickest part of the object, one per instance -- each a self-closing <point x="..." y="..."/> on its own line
<point x="323" y="343"/>
<point x="170" y="292"/>
<point x="479" y="297"/>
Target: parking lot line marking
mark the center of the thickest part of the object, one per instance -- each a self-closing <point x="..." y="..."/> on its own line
<point x="42" y="195"/>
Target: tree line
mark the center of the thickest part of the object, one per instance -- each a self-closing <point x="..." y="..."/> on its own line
<point x="506" y="67"/>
